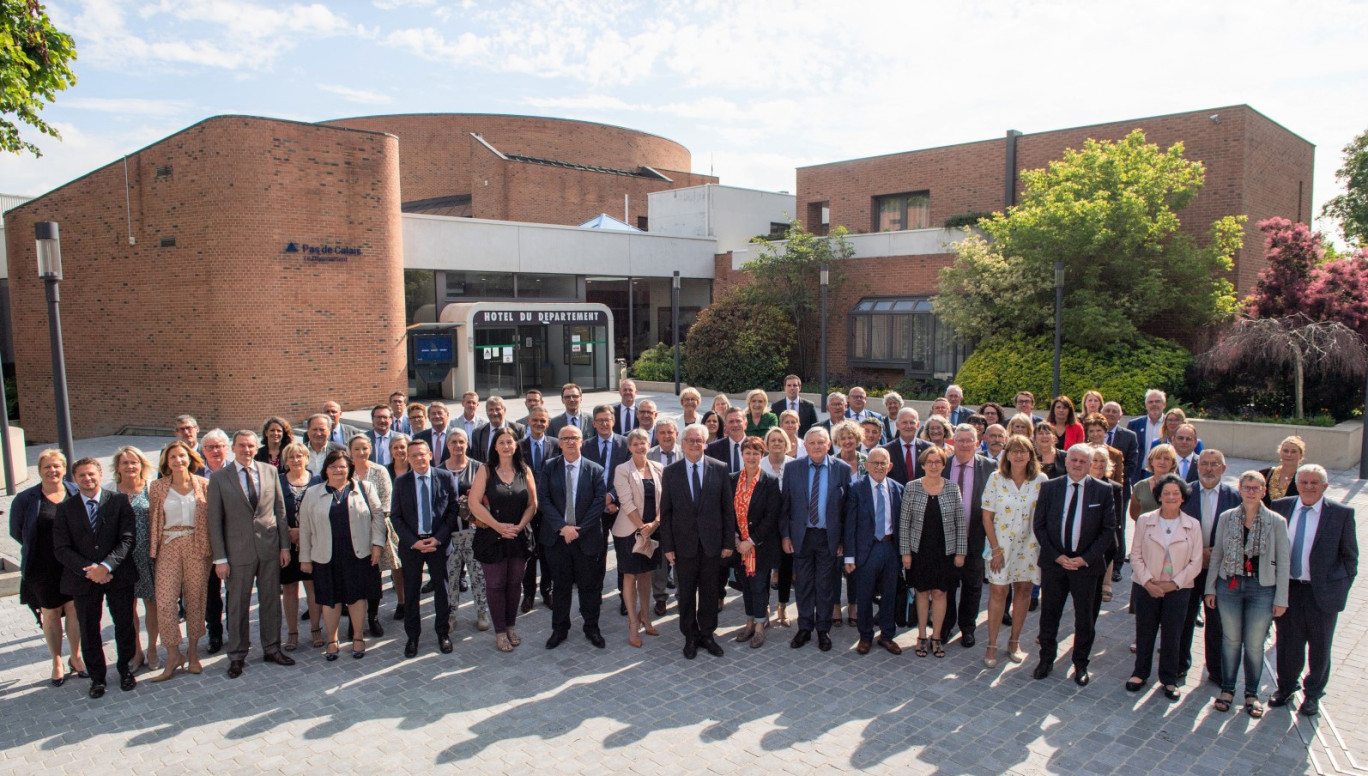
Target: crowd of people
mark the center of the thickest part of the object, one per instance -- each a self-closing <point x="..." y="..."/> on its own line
<point x="913" y="516"/>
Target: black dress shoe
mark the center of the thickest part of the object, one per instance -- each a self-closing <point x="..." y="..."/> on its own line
<point x="234" y="669"/>
<point x="215" y="644"/>
<point x="1116" y="574"/>
<point x="1041" y="671"/>
<point x="1035" y="604"/>
<point x="546" y="600"/>
<point x="690" y="649"/>
<point x="1279" y="700"/>
<point x="800" y="638"/>
<point x="1309" y="708"/>
<point x="1082" y="677"/>
<point x="427" y="588"/>
<point x="528" y="603"/>
<point x="622" y="608"/>
<point x="376" y="629"/>
<point x="596" y="639"/>
<point x="1201" y="621"/>
<point x="557" y="638"/>
<point x="399" y="612"/>
<point x="711" y="645"/>
<point x="967" y="640"/>
<point x="444" y="644"/>
<point x="660" y="608"/>
<point x="279" y="658"/>
<point x="824" y="641"/>
<point x="127" y="682"/>
<point x="411" y="648"/>
<point x="97" y="690"/>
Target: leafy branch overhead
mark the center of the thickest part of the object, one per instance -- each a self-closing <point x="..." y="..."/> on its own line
<point x="35" y="64"/>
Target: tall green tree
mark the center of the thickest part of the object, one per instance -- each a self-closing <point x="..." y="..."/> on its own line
<point x="1351" y="207"/>
<point x="787" y="276"/>
<point x="1109" y="212"/>
<point x="35" y="64"/>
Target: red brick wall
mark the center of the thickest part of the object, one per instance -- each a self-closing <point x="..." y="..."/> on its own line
<point x="225" y="325"/>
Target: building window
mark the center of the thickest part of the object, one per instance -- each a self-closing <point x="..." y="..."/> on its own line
<point x="903" y="333"/>
<point x="564" y="287"/>
<point x="818" y="218"/>
<point x="466" y="284"/>
<point x="897" y="212"/>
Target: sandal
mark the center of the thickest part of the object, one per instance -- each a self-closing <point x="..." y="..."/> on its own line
<point x="1014" y="652"/>
<point x="1106" y="595"/>
<point x="937" y="648"/>
<point x="1253" y="707"/>
<point x="921" y="648"/>
<point x="316" y="635"/>
<point x="330" y="655"/>
<point x="1222" y="703"/>
<point x="501" y="643"/>
<point x="513" y="637"/>
<point x="291" y="641"/>
<point x="358" y="653"/>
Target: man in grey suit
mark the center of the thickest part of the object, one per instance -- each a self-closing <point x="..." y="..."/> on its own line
<point x="380" y="433"/>
<point x="480" y="441"/>
<point x="571" y="396"/>
<point x="970" y="472"/>
<point x="810" y="523"/>
<point x="318" y="433"/>
<point x="341" y="432"/>
<point x="665" y="452"/>
<point x="250" y="544"/>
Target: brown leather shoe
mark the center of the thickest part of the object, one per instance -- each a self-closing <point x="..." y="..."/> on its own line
<point x="891" y="646"/>
<point x="862" y="647"/>
<point x="280" y="659"/>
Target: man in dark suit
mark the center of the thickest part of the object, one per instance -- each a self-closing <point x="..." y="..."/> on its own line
<point x="810" y="524"/>
<point x="905" y="451"/>
<point x="858" y="410"/>
<point x="214" y="447"/>
<point x="1324" y="562"/>
<point x="481" y="442"/>
<point x="1074" y="524"/>
<point x="727" y="448"/>
<point x="398" y="404"/>
<point x="697" y="534"/>
<point x="1123" y="439"/>
<point x="571" y="396"/>
<point x="435" y="435"/>
<point x="1147" y="428"/>
<point x="341" y="433"/>
<point x="958" y="412"/>
<point x="426" y="509"/>
<point x="807" y="411"/>
<point x="380" y="434"/>
<point x="608" y="450"/>
<point x="92" y="537"/>
<point x="537" y="449"/>
<point x="531" y="400"/>
<point x="570" y="497"/>
<point x="1184" y="443"/>
<point x="250" y="542"/>
<point x="665" y="452"/>
<point x="970" y="472"/>
<point x="1210" y="497"/>
<point x="836" y="412"/>
<point x="871" y="550"/>
<point x="625" y="412"/>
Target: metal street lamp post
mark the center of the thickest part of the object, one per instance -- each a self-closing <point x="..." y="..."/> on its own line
<point x="824" y="278"/>
<point x="674" y="323"/>
<point x="50" y="270"/>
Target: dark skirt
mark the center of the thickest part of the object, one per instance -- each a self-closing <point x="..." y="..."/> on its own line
<point x="292" y="573"/>
<point x="41" y="585"/>
<point x="629" y="562"/>
<point x="346" y="579"/>
<point x="932" y="569"/>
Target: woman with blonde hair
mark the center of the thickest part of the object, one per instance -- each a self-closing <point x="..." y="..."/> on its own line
<point x="638" y="482"/>
<point x="758" y="417"/>
<point x="132" y="472"/>
<point x="1282" y="479"/>
<point x="32" y="515"/>
<point x="178" y="514"/>
<point x="1009" y="499"/>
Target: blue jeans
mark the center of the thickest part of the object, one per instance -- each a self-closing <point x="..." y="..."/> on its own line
<point x="1246" y="612"/>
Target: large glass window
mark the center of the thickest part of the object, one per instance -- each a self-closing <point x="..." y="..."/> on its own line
<point x="903" y="333"/>
<point x="563" y="287"/>
<point x="896" y="212"/>
<point x="478" y="284"/>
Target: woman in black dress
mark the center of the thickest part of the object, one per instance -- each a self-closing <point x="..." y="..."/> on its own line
<point x="295" y="478"/>
<point x="341" y="534"/>
<point x="932" y="530"/>
<point x="637" y="482"/>
<point x="1051" y="457"/>
<point x="40" y="575"/>
<point x="758" y="502"/>
<point x="503" y="499"/>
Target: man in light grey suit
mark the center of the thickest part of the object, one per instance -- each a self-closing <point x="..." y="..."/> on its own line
<point x="665" y="452"/>
<point x="249" y="543"/>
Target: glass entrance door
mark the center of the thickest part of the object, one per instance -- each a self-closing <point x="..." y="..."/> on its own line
<point x="587" y="351"/>
<point x="496" y="361"/>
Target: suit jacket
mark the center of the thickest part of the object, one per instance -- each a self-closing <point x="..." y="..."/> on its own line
<point x="617" y="453"/>
<point x="793" y="520"/>
<point x="238" y="533"/>
<point x="479" y="443"/>
<point x="375" y="448"/>
<point x="706" y="525"/>
<point x="157" y="491"/>
<point x="1124" y="440"/>
<point x="365" y="519"/>
<point x="721" y="451"/>
<point x="977" y="535"/>
<point x="898" y="471"/>
<point x="960" y="415"/>
<point x="1142" y="446"/>
<point x="807" y="413"/>
<point x="859" y="518"/>
<point x="343" y="430"/>
<point x="762" y="520"/>
<point x="589" y="493"/>
<point x="1334" y="551"/>
<point x="445" y="504"/>
<point x="1226" y="498"/>
<point x="631" y="490"/>
<point x="617" y="419"/>
<point x="1098" y="518"/>
<point x="586" y="424"/>
<point x="657" y="455"/>
<point x="23" y="526"/>
<point x="401" y="425"/>
<point x="550" y="448"/>
<point x="76" y="546"/>
<point x="439" y="456"/>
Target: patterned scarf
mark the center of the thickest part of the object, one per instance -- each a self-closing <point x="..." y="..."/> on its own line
<point x="1238" y="550"/>
<point x="745" y="486"/>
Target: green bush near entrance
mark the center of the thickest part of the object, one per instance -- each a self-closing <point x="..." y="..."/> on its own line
<point x="657" y="364"/>
<point x="737" y="344"/>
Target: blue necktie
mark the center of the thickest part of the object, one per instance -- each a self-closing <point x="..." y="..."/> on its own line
<point x="1298" y="543"/>
<point x="814" y="513"/>
<point x="536" y="454"/>
<point x="880" y="512"/>
<point x="607" y="465"/>
<point x="92" y="506"/>
<point x="424" y="506"/>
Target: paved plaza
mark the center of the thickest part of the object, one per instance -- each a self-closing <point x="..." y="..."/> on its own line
<point x="580" y="709"/>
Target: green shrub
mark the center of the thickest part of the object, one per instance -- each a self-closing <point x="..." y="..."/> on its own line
<point x="657" y="364"/>
<point x="966" y="219"/>
<point x="737" y="345"/>
<point x="1001" y="366"/>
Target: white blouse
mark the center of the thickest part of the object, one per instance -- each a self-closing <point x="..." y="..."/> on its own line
<point x="180" y="513"/>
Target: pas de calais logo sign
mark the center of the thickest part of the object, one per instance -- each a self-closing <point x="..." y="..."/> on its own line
<point x="325" y="253"/>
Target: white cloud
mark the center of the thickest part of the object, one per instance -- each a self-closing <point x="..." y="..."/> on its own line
<point x="128" y="106"/>
<point x="78" y="152"/>
<point x="363" y="96"/>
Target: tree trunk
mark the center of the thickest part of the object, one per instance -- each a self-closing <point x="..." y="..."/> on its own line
<point x="1297" y="374"/>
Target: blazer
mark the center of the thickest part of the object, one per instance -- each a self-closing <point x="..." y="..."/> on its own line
<point x="859" y="518"/>
<point x="445" y="504"/>
<point x="586" y="424"/>
<point x="977" y="535"/>
<point x="1227" y="498"/>
<point x="617" y="419"/>
<point x="365" y="516"/>
<point x="912" y="517"/>
<point x="898" y="471"/>
<point x="479" y="441"/>
<point x="375" y="448"/>
<point x="343" y="430"/>
<point x="617" y="453"/>
<point x="401" y="425"/>
<point x="1137" y="426"/>
<point x="807" y="413"/>
<point x="631" y="488"/>
<point x="1334" y="551"/>
<point x="1274" y="570"/>
<point x="157" y="491"/>
<point x="706" y="525"/>
<point x="550" y="448"/>
<point x="960" y="415"/>
<point x="797" y="483"/>
<point x="721" y="451"/>
<point x="23" y="524"/>
<point x="439" y="456"/>
<point x="238" y="533"/>
<point x="762" y="520"/>
<point x="292" y="506"/>
<point x="1123" y="439"/>
<point x="589" y="492"/>
<point x="1147" y="551"/>
<point x="657" y="455"/>
<point x="76" y="546"/>
<point x="1097" y="532"/>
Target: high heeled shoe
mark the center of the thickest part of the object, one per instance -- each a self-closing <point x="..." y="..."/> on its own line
<point x="81" y="674"/>
<point x="328" y="654"/>
<point x="990" y="656"/>
<point x="1014" y="652"/>
<point x="169" y="670"/>
<point x="357" y="654"/>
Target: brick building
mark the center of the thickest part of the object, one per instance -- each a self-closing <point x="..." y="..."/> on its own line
<point x="897" y="204"/>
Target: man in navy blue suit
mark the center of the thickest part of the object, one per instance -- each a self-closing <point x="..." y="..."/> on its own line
<point x="426" y="508"/>
<point x="1209" y="499"/>
<point x="871" y="549"/>
<point x="1324" y="563"/>
<point x="608" y="450"/>
<point x="570" y="493"/>
<point x="810" y="524"/>
<point x="905" y="450"/>
<point x="1147" y="428"/>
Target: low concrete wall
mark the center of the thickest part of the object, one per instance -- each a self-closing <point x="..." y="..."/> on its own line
<point x="17" y="460"/>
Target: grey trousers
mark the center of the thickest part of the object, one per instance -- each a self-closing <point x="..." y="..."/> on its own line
<point x="265" y="575"/>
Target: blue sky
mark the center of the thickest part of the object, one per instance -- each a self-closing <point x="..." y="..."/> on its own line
<point x="753" y="88"/>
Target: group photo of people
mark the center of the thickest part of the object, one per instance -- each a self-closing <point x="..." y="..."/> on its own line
<point x="912" y="534"/>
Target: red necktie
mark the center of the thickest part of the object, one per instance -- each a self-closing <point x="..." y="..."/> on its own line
<point x="907" y="454"/>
